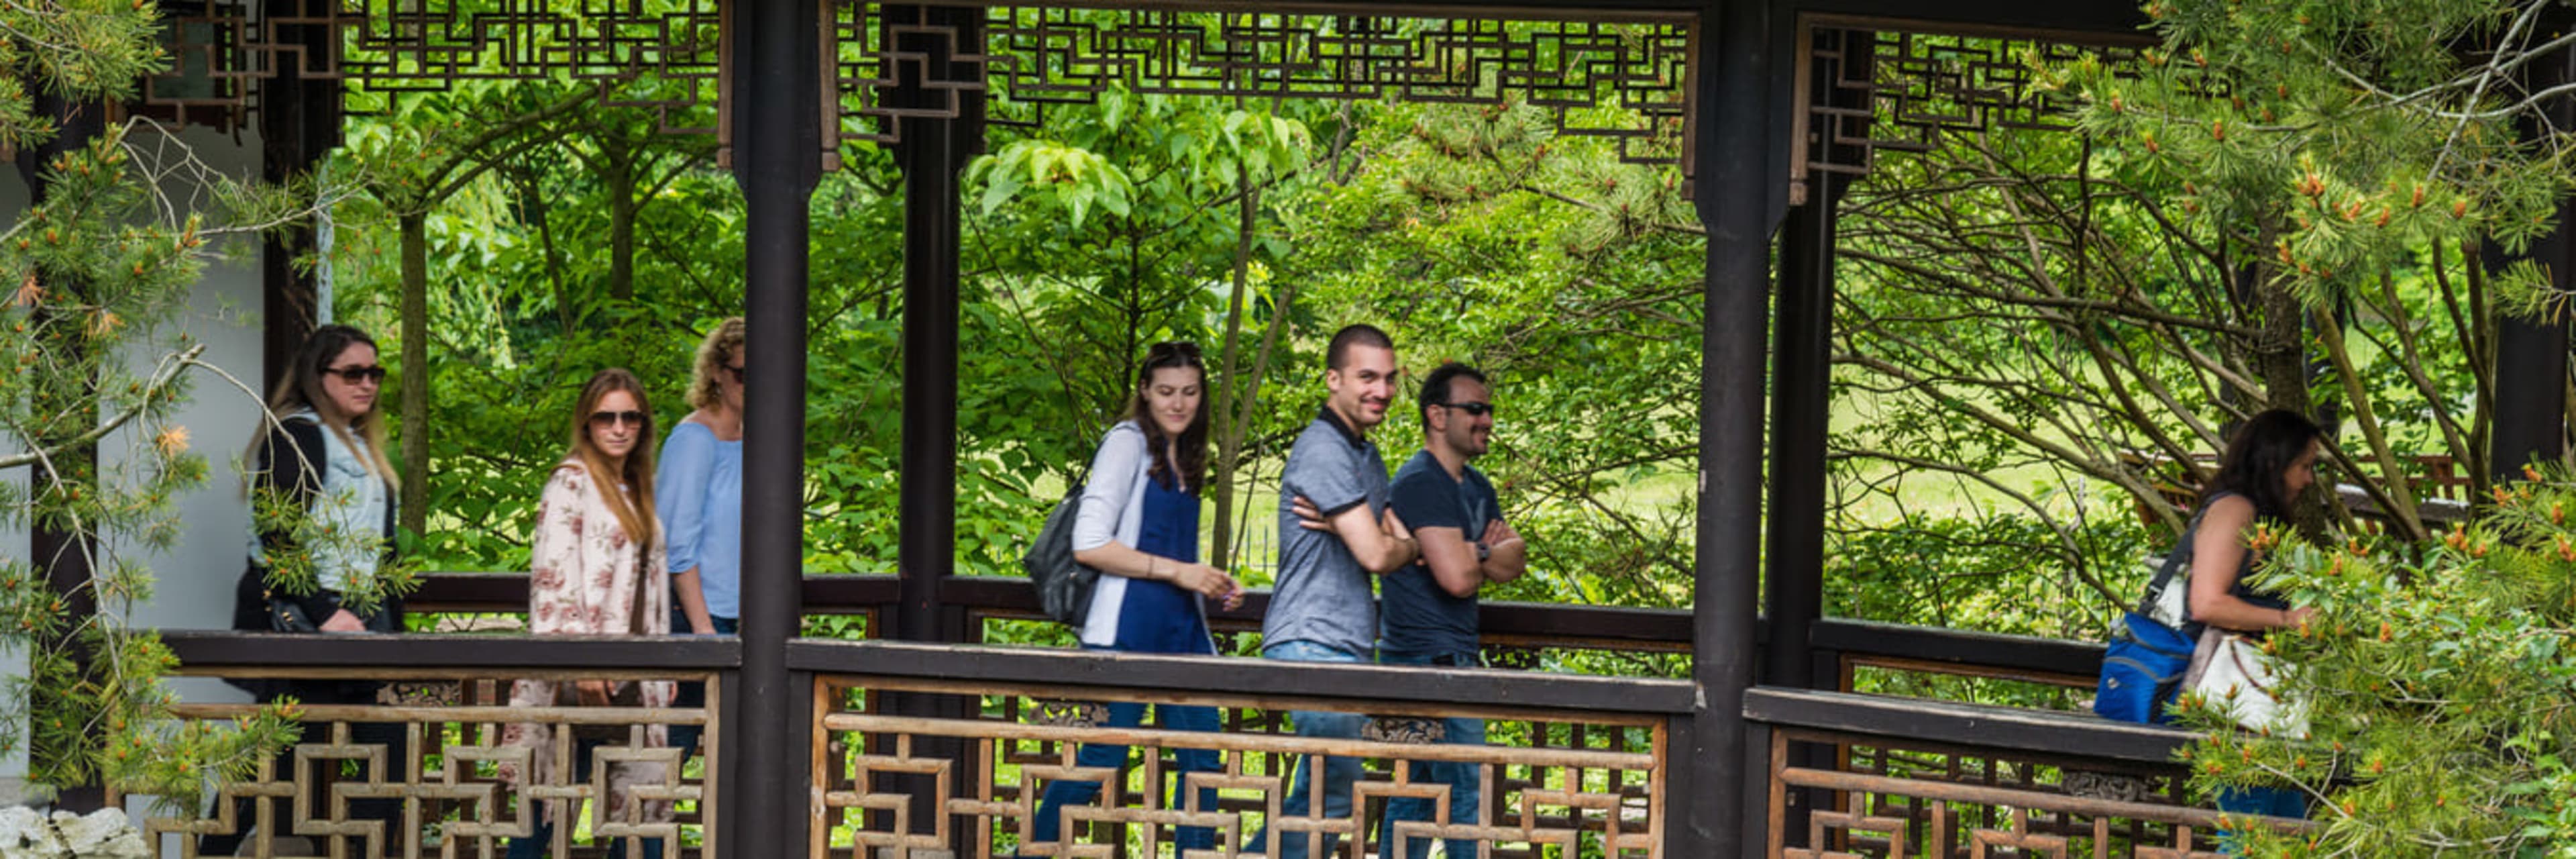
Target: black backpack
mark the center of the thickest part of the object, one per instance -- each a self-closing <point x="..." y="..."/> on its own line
<point x="1064" y="584"/>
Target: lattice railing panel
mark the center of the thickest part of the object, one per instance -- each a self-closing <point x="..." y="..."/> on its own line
<point x="1895" y="800"/>
<point x="1567" y="787"/>
<point x="421" y="775"/>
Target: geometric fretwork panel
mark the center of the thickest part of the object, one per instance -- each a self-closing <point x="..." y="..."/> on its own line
<point x="1903" y="802"/>
<point x="381" y="48"/>
<point x="920" y="786"/>
<point x="422" y="775"/>
<point x="1889" y="86"/>
<point x="1627" y="81"/>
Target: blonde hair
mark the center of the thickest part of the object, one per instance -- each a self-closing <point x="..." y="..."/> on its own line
<point x="722" y="345"/>
<point x="301" y="388"/>
<point x="634" y="509"/>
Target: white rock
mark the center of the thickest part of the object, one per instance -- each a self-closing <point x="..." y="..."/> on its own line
<point x="86" y="834"/>
<point x="19" y="825"/>
<point x="128" y="844"/>
<point x="25" y="834"/>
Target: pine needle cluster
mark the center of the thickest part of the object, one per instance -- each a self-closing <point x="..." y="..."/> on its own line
<point x="2442" y="687"/>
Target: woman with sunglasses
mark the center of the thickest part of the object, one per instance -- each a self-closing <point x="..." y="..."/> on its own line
<point x="701" y="505"/>
<point x="596" y="570"/>
<point x="320" y="451"/>
<point x="1138" y="524"/>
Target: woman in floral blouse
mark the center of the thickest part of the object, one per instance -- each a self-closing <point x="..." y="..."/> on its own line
<point x="597" y="571"/>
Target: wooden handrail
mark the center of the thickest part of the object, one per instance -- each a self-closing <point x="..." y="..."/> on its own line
<point x="1504" y="623"/>
<point x="210" y="652"/>
<point x="2013" y="729"/>
<point x="1074" y="671"/>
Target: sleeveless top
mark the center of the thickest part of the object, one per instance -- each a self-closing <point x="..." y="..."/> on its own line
<point x="2244" y="565"/>
<point x="1158" y="616"/>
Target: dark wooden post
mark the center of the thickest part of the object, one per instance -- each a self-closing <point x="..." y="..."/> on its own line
<point x="932" y="153"/>
<point x="2531" y="356"/>
<point x="63" y="557"/>
<point x="776" y="160"/>
<point x="1801" y="400"/>
<point x="299" y="125"/>
<point x="1732" y="178"/>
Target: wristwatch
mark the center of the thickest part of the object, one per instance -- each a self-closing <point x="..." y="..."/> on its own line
<point x="1483" y="552"/>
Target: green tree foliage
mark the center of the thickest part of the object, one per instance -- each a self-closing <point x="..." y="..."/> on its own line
<point x="97" y="272"/>
<point x="2439" y="689"/>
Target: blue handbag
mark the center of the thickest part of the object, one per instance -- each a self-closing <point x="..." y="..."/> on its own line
<point x="2141" y="670"/>
<point x="2143" y="664"/>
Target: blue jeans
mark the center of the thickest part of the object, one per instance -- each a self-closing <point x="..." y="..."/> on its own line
<point x="1339" y="773"/>
<point x="685" y="737"/>
<point x="1465" y="780"/>
<point x="1062" y="792"/>
<point x="534" y="846"/>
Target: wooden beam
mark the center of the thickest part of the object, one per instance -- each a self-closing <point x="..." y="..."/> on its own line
<point x="198" y="650"/>
<point x="1221" y="675"/>
<point x="2039" y="732"/>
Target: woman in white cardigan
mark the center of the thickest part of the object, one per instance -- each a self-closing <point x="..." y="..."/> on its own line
<point x="1139" y="524"/>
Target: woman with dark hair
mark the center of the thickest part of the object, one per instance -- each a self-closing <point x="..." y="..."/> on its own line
<point x="596" y="570"/>
<point x="322" y="451"/>
<point x="318" y="473"/>
<point x="1138" y="524"/>
<point x="2270" y="462"/>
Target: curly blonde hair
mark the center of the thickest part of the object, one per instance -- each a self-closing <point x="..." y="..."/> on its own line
<point x="719" y="349"/>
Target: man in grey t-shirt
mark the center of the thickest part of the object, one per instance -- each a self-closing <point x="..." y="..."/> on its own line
<point x="1321" y="608"/>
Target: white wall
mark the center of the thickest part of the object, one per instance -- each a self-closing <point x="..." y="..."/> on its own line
<point x="194" y="578"/>
<point x="13" y="537"/>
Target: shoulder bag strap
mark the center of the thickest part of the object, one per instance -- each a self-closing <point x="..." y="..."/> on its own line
<point x="2176" y="561"/>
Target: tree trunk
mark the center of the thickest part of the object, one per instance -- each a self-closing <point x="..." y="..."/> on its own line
<point x="1231" y="399"/>
<point x="620" y="178"/>
<point x="415" y="369"/>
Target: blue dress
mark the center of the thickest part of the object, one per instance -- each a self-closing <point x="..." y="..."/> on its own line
<point x="1154" y="617"/>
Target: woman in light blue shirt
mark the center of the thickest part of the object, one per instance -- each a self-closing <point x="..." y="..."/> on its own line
<point x="698" y="492"/>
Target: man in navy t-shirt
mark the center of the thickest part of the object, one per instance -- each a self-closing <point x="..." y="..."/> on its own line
<point x="1427" y="610"/>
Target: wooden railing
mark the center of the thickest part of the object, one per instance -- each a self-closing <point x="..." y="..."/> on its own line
<point x="423" y="769"/>
<point x="931" y="748"/>
<point x="1571" y="765"/>
<point x="1904" y="777"/>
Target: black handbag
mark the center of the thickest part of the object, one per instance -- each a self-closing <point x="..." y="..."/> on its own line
<point x="1064" y="585"/>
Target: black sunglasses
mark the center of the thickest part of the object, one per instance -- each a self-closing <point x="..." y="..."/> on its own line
<point x="355" y="375"/>
<point x="629" y="417"/>
<point x="735" y="371"/>
<point x="1472" y="409"/>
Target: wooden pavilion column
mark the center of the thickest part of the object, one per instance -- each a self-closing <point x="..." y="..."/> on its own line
<point x="299" y="125"/>
<point x="63" y="557"/>
<point x="2531" y="357"/>
<point x="1732" y="178"/>
<point x="932" y="153"/>
<point x="766" y="732"/>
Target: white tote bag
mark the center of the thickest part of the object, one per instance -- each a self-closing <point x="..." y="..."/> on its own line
<point x="2232" y="673"/>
